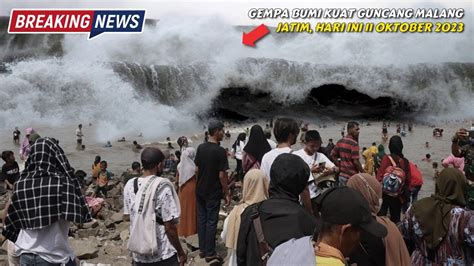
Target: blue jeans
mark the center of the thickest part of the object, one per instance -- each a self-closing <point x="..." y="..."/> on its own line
<point x="30" y="259"/>
<point x="207" y="218"/>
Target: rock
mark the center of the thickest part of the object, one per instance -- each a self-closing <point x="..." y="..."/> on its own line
<point x="123" y="226"/>
<point x="125" y="235"/>
<point x="117" y="218"/>
<point x="113" y="250"/>
<point x="114" y="236"/>
<point x="109" y="223"/>
<point x="93" y="224"/>
<point x="193" y="242"/>
<point x="85" y="233"/>
<point x="84" y="249"/>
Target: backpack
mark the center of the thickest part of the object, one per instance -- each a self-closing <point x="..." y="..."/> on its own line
<point x="393" y="179"/>
<point x="264" y="248"/>
<point x="143" y="231"/>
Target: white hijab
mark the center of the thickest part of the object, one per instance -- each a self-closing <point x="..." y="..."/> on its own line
<point x="186" y="166"/>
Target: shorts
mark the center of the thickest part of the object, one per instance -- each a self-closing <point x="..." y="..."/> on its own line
<point x="79" y="142"/>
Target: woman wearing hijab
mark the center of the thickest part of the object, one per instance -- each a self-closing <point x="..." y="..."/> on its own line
<point x="441" y="230"/>
<point x="25" y="144"/>
<point x="378" y="157"/>
<point x="391" y="250"/>
<point x="186" y="179"/>
<point x="46" y="199"/>
<point x="281" y="216"/>
<point x="257" y="146"/>
<point x="393" y="204"/>
<point x="255" y="189"/>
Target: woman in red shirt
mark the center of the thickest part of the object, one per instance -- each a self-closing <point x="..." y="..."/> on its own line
<point x="390" y="203"/>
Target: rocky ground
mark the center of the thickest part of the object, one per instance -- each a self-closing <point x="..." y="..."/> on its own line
<point x="104" y="240"/>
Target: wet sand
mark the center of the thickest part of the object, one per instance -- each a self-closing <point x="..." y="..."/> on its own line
<point x="121" y="155"/>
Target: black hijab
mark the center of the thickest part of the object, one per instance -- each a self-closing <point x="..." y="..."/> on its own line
<point x="289" y="177"/>
<point x="396" y="146"/>
<point x="257" y="144"/>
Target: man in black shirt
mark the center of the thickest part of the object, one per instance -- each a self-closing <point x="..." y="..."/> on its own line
<point x="10" y="170"/>
<point x="211" y="166"/>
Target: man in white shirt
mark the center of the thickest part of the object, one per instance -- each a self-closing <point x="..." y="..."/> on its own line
<point x="170" y="251"/>
<point x="79" y="135"/>
<point x="286" y="131"/>
<point x="318" y="163"/>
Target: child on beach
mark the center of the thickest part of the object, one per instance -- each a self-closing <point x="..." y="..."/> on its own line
<point x="10" y="170"/>
<point x="102" y="180"/>
<point x="96" y="167"/>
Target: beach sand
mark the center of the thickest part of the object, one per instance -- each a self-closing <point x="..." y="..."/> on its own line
<point x="120" y="155"/>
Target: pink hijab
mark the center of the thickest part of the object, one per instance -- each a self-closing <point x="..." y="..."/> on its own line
<point x="25" y="144"/>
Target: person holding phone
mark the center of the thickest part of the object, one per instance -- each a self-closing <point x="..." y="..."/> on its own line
<point x="318" y="163"/>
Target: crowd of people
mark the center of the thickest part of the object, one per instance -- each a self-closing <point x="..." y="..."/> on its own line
<point x="332" y="205"/>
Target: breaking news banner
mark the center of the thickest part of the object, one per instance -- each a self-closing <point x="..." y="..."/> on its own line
<point x="115" y="110"/>
<point x="94" y="22"/>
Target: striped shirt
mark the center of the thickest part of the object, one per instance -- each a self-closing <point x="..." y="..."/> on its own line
<point x="347" y="150"/>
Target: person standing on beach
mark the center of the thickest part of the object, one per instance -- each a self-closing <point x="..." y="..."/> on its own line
<point x="96" y="168"/>
<point x="286" y="132"/>
<point x="463" y="147"/>
<point x="211" y="166"/>
<point x="166" y="207"/>
<point x="46" y="199"/>
<point x="79" y="135"/>
<point x="390" y="166"/>
<point x="186" y="183"/>
<point x="319" y="165"/>
<point x="16" y="136"/>
<point x="347" y="151"/>
<point x="255" y="148"/>
<point x="281" y="217"/>
<point x="237" y="149"/>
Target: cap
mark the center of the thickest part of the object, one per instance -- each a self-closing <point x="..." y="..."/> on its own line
<point x="344" y="205"/>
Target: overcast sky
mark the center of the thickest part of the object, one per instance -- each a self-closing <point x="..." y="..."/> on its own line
<point x="233" y="11"/>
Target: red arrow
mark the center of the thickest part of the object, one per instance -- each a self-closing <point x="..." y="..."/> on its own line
<point x="255" y="35"/>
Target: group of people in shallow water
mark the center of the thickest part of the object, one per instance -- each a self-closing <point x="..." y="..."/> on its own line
<point x="316" y="205"/>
